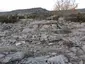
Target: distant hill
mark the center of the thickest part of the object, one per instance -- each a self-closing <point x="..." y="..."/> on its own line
<point x="26" y="11"/>
<point x="38" y="11"/>
<point x="81" y="10"/>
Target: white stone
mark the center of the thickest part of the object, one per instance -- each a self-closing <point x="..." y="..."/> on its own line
<point x="81" y="62"/>
<point x="17" y="44"/>
<point x="43" y="37"/>
<point x="54" y="37"/>
<point x="27" y="30"/>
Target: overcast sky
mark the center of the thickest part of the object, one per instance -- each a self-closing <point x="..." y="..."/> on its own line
<point x="8" y="5"/>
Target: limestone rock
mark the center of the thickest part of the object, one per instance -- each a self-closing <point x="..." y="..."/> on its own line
<point x="12" y="57"/>
<point x="60" y="59"/>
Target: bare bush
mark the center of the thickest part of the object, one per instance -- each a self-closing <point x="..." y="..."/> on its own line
<point x="65" y="5"/>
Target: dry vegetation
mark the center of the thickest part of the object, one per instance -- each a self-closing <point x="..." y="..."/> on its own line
<point x="79" y="17"/>
<point x="65" y="5"/>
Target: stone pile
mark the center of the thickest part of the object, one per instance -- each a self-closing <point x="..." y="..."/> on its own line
<point x="42" y="42"/>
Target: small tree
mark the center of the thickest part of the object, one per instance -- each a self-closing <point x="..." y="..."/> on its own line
<point x="65" y="5"/>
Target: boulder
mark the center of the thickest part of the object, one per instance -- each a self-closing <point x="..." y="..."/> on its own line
<point x="2" y="55"/>
<point x="13" y="57"/>
<point x="60" y="59"/>
<point x="54" y="38"/>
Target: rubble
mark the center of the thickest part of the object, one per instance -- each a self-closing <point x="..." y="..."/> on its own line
<point x="42" y="42"/>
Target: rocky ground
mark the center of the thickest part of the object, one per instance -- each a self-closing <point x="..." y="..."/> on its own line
<point x="42" y="42"/>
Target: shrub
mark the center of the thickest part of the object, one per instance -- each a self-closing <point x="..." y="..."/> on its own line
<point x="54" y="17"/>
<point x="21" y="17"/>
<point x="79" y="17"/>
<point x="9" y="19"/>
<point x="33" y="16"/>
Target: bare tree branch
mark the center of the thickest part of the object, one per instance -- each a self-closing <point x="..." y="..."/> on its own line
<point x="65" y="5"/>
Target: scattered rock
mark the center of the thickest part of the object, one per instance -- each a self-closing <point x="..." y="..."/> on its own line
<point x="6" y="59"/>
<point x="60" y="59"/>
<point x="54" y="38"/>
<point x="83" y="38"/>
<point x="27" y="30"/>
<point x="19" y="42"/>
<point x="2" y="55"/>
<point x="13" y="57"/>
<point x="37" y="60"/>
<point x="2" y="34"/>
<point x="74" y="49"/>
<point x="83" y="47"/>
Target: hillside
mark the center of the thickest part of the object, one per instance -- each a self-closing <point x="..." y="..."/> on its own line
<point x="26" y="11"/>
<point x="37" y="11"/>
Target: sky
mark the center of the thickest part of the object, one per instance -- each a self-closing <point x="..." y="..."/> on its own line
<point x="8" y="5"/>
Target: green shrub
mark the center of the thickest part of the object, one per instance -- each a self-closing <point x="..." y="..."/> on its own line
<point x="8" y="19"/>
<point x="33" y="16"/>
<point x="21" y="17"/>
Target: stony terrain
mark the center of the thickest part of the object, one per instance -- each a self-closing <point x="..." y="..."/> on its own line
<point x="42" y="42"/>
